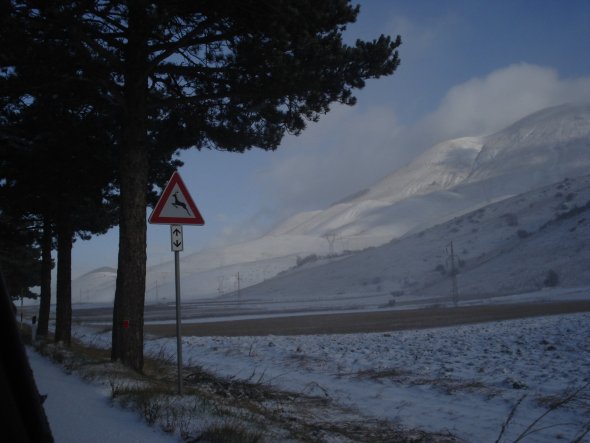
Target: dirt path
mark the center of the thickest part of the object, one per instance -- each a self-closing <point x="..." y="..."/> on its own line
<point x="381" y="321"/>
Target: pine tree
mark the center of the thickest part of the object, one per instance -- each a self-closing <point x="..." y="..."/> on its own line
<point x="58" y="163"/>
<point x="20" y="260"/>
<point x="223" y="75"/>
<point x="217" y="74"/>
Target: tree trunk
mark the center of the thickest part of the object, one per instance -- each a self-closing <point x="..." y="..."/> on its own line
<point x="63" y="314"/>
<point x="44" y="306"/>
<point x="133" y="172"/>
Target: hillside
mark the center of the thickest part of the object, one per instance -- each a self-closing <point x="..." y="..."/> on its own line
<point x="522" y="244"/>
<point x="460" y="175"/>
<point x="445" y="184"/>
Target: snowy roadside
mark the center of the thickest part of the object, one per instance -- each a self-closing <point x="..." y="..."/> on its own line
<point x="212" y="409"/>
<point x="81" y="412"/>
<point x="462" y="380"/>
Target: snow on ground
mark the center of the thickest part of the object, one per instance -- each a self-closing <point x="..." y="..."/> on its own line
<point x="463" y="379"/>
<point x="79" y="412"/>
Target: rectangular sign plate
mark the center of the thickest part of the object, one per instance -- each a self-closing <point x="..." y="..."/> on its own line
<point x="176" y="237"/>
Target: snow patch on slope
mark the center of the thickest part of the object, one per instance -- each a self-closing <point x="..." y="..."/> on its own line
<point x="503" y="248"/>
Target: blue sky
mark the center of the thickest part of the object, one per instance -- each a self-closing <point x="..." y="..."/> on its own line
<point x="468" y="67"/>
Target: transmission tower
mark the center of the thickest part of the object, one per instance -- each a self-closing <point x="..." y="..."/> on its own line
<point x="330" y="238"/>
<point x="239" y="294"/>
<point x="454" y="272"/>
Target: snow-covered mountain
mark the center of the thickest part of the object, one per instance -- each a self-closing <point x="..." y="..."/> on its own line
<point x="443" y="185"/>
<point x="521" y="244"/>
<point x="459" y="175"/>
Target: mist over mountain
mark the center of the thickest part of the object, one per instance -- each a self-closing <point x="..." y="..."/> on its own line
<point x="491" y="195"/>
<point x="535" y="240"/>
<point x="456" y="175"/>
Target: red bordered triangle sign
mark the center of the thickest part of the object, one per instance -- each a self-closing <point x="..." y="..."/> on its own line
<point x="176" y="206"/>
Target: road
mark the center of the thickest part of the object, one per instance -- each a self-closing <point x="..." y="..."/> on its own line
<point x="379" y="321"/>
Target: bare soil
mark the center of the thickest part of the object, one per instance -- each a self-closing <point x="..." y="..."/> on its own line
<point x="380" y="321"/>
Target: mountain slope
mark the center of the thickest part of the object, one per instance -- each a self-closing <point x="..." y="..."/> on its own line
<point x="451" y="179"/>
<point x="510" y="246"/>
<point x="540" y="149"/>
<point x="440" y="168"/>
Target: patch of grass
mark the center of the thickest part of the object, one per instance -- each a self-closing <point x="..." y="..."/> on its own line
<point x="552" y="403"/>
<point x="510" y="219"/>
<point x="551" y="279"/>
<point x="441" y="269"/>
<point x="376" y="374"/>
<point x="216" y="409"/>
<point x="450" y="386"/>
<point x="228" y="433"/>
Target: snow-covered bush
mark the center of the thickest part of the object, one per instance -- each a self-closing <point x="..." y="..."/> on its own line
<point x="552" y="279"/>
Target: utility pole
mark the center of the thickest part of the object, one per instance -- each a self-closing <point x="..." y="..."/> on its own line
<point x="330" y="238"/>
<point x="454" y="272"/>
<point x="239" y="298"/>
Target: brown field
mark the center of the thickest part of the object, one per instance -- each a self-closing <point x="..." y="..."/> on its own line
<point x="380" y="321"/>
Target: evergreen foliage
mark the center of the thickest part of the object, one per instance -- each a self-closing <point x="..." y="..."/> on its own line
<point x="20" y="258"/>
<point x="551" y="279"/>
<point x="58" y="164"/>
<point x="170" y="75"/>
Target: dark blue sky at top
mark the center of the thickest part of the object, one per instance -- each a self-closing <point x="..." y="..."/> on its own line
<point x="473" y="37"/>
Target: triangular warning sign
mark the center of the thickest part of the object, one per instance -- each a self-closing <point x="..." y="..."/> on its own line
<point x="176" y="206"/>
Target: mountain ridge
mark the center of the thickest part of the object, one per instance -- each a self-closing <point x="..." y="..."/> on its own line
<point x="452" y="178"/>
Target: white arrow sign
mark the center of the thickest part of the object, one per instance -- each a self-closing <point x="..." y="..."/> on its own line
<point x="176" y="237"/>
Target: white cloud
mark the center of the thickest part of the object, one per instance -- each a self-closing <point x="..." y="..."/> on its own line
<point x="232" y="232"/>
<point x="352" y="148"/>
<point x="485" y="105"/>
<point x="345" y="151"/>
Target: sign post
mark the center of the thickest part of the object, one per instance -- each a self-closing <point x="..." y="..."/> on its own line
<point x="176" y="208"/>
<point x="178" y="320"/>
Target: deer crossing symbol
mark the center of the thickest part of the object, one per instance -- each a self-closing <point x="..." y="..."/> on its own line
<point x="178" y="204"/>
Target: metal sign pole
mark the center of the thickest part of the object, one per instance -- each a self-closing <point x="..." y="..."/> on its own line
<point x="178" y="332"/>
